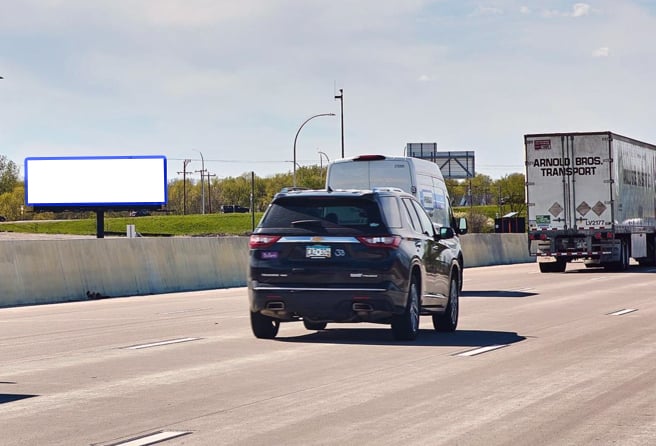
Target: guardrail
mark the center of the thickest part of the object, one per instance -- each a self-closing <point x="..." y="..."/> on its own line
<point x="51" y="271"/>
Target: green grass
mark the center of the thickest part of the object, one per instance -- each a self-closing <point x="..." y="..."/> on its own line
<point x="168" y="225"/>
<point x="157" y="225"/>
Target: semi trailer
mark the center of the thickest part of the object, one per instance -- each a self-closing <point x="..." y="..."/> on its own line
<point x="590" y="197"/>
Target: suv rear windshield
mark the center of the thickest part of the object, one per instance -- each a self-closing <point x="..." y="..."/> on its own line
<point x="370" y="174"/>
<point x="330" y="213"/>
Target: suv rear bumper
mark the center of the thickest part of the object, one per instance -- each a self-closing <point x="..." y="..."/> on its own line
<point x="327" y="304"/>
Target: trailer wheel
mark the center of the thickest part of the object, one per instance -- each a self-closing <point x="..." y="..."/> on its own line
<point x="650" y="260"/>
<point x="623" y="263"/>
<point x="626" y="256"/>
<point x="553" y="267"/>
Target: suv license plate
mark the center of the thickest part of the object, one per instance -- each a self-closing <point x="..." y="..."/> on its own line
<point x="317" y="252"/>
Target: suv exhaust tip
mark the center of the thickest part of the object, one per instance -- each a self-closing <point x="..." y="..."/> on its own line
<point x="275" y="306"/>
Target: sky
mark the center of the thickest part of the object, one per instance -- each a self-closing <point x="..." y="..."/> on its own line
<point x="229" y="84"/>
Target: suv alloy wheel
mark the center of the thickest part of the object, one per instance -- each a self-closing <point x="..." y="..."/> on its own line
<point x="406" y="326"/>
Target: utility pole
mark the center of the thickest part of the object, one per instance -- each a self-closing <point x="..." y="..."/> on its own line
<point x="209" y="193"/>
<point x="202" y="177"/>
<point x="202" y="189"/>
<point x="184" y="185"/>
<point x="340" y="96"/>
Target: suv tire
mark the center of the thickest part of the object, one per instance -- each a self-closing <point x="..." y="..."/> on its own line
<point x="406" y="326"/>
<point x="558" y="266"/>
<point x="264" y="327"/>
<point x="314" y="325"/>
<point x="449" y="320"/>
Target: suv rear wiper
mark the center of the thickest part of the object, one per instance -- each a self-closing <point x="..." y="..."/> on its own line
<point x="307" y="223"/>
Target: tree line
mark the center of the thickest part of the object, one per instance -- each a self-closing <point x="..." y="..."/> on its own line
<point x="237" y="190"/>
<point x="252" y="191"/>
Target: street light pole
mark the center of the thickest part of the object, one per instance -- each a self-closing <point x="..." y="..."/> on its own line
<point x="340" y="96"/>
<point x="202" y="184"/>
<point x="296" y="137"/>
<point x="321" y="155"/>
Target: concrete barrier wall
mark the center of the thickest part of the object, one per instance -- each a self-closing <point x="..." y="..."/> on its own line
<point x="495" y="249"/>
<point x="49" y="271"/>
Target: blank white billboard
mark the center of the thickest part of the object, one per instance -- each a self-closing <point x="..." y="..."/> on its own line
<point x="102" y="181"/>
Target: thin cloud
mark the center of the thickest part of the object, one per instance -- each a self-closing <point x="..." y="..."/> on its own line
<point x="578" y="10"/>
<point x="601" y="52"/>
<point x="486" y="10"/>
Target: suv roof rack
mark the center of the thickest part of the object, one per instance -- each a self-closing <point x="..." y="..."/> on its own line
<point x="387" y="189"/>
<point x="292" y="189"/>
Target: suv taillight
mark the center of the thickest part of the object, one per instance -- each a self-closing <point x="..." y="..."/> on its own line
<point x="262" y="241"/>
<point x="385" y="241"/>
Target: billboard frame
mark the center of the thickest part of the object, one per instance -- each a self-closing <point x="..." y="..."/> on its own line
<point x="90" y="205"/>
<point x="99" y="207"/>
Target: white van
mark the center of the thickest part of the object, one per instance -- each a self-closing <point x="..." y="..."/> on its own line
<point x="419" y="177"/>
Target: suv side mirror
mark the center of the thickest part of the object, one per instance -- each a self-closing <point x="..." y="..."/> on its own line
<point x="443" y="232"/>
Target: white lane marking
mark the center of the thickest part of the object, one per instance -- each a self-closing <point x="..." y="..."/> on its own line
<point x="481" y="350"/>
<point x="157" y="344"/>
<point x="153" y="438"/>
<point x="186" y="311"/>
<point x="621" y="312"/>
<point x="143" y="382"/>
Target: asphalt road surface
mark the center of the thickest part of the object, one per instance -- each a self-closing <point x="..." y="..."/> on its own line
<point x="538" y="359"/>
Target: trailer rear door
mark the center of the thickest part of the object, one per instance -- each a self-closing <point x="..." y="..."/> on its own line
<point x="569" y="182"/>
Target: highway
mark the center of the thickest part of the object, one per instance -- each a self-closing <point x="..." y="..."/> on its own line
<point x="538" y="359"/>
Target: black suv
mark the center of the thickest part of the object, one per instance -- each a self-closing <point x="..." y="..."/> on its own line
<point x="352" y="256"/>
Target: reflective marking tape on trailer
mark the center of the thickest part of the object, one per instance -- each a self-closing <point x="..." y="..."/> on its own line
<point x="580" y="228"/>
<point x="579" y="253"/>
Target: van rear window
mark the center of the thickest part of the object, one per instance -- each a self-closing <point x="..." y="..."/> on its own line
<point x="370" y="174"/>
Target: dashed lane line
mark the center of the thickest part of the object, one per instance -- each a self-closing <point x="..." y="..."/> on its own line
<point x="153" y="438"/>
<point x="623" y="312"/>
<point x="481" y="350"/>
<point x="157" y="344"/>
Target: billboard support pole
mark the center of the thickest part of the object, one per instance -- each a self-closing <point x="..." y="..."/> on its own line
<point x="100" y="223"/>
